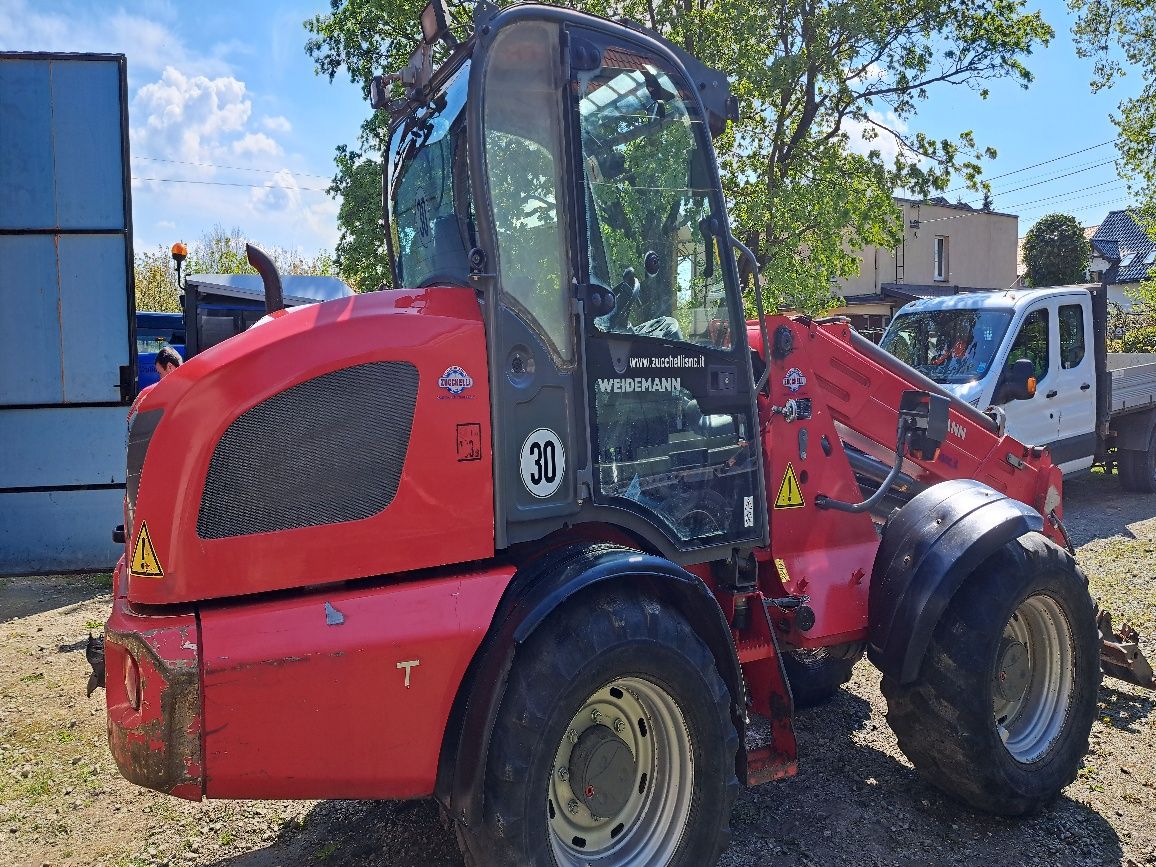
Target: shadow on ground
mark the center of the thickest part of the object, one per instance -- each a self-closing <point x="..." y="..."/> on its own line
<point x="370" y="833"/>
<point x="851" y="804"/>
<point x="1125" y="708"/>
<point x="1096" y="506"/>
<point x="24" y="597"/>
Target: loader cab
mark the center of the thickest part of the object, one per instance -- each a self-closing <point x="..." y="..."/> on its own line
<point x="562" y="166"/>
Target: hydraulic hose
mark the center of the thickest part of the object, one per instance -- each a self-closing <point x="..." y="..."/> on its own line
<point x="824" y="502"/>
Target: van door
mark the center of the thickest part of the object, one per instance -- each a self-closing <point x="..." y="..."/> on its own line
<point x="1034" y="421"/>
<point x="1074" y="403"/>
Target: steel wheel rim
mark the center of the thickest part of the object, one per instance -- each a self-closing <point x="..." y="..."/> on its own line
<point x="648" y="829"/>
<point x="1030" y="725"/>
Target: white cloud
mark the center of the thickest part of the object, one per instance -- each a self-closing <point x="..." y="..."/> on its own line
<point x="276" y="124"/>
<point x="190" y="118"/>
<point x="195" y="136"/>
<point x="874" y="134"/>
<point x="148" y="44"/>
<point x="279" y="194"/>
<point x="256" y="144"/>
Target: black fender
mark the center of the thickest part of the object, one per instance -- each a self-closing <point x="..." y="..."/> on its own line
<point x="1134" y="431"/>
<point x="534" y="593"/>
<point x="929" y="547"/>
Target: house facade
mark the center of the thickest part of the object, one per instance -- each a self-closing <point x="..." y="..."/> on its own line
<point x="946" y="249"/>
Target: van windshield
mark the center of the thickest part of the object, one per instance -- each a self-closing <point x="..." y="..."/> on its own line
<point x="947" y="346"/>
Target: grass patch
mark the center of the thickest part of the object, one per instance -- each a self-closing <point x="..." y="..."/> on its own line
<point x="326" y="851"/>
<point x="1121" y="577"/>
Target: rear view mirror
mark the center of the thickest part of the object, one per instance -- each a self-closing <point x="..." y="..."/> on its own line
<point x="1019" y="382"/>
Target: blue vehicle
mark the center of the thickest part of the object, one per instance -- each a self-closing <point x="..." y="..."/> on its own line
<point x="218" y="306"/>
<point x="155" y="331"/>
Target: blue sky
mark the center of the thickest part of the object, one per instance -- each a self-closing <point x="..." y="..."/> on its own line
<point x="229" y="123"/>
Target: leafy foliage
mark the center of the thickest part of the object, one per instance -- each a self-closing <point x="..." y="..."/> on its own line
<point x="1135" y="340"/>
<point x="1056" y="252"/>
<point x="217" y="252"/>
<point x="1116" y="34"/>
<point x="361" y="255"/>
<point x="813" y="76"/>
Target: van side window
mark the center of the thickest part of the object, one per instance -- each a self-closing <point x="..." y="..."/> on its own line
<point x="1032" y="342"/>
<point x="1071" y="335"/>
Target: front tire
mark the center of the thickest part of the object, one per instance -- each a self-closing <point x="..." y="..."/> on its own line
<point x="1000" y="712"/>
<point x="613" y="706"/>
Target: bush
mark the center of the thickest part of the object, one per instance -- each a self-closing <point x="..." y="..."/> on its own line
<point x="1138" y="340"/>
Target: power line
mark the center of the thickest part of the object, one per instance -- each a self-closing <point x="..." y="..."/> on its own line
<point x="1043" y="163"/>
<point x="978" y="212"/>
<point x="231" y="184"/>
<point x="1056" y="178"/>
<point x="231" y="168"/>
<point x="1113" y="182"/>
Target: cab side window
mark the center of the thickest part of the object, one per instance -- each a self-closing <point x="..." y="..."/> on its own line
<point x="1033" y="343"/>
<point x="1071" y="335"/>
<point x="523" y="125"/>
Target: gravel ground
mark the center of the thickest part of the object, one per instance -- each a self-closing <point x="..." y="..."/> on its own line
<point x="855" y="801"/>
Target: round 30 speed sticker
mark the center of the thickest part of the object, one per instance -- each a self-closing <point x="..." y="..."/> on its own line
<point x="543" y="463"/>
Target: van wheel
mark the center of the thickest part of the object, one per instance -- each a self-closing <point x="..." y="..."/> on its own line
<point x="817" y="673"/>
<point x="1000" y="712"/>
<point x="614" y="744"/>
<point x="1138" y="469"/>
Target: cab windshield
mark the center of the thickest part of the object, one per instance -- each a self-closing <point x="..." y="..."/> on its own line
<point x="649" y="202"/>
<point x="429" y="191"/>
<point x="948" y="346"/>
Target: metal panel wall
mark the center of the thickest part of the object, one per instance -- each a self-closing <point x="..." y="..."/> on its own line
<point x="66" y="309"/>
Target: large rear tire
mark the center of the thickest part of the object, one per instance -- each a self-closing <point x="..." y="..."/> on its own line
<point x="1000" y="713"/>
<point x="1138" y="468"/>
<point x="816" y="674"/>
<point x="614" y="744"/>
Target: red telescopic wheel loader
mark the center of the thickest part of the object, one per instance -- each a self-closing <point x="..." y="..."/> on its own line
<point x="538" y="535"/>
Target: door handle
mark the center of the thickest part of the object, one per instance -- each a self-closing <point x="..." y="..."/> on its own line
<point x="1085" y="386"/>
<point x="1051" y="394"/>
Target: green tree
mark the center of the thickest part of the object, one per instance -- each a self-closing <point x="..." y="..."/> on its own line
<point x="156" y="287"/>
<point x="361" y="254"/>
<point x="1119" y="34"/>
<point x="812" y="74"/>
<point x="219" y="251"/>
<point x="1056" y="252"/>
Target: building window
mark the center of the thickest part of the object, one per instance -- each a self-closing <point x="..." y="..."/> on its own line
<point x="940" y="258"/>
<point x="870" y="325"/>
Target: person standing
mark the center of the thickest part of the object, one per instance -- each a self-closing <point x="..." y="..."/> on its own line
<point x="168" y="360"/>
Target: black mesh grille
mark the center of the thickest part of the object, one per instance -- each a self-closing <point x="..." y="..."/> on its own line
<point x="141" y="428"/>
<point x="330" y="449"/>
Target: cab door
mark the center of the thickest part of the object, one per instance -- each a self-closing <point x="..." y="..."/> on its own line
<point x="668" y="377"/>
<point x="518" y="162"/>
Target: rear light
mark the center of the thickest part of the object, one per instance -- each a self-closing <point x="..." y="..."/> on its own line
<point x="132" y="681"/>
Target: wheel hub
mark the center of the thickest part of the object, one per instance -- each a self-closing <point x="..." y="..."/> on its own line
<point x="603" y="771"/>
<point x="1013" y="669"/>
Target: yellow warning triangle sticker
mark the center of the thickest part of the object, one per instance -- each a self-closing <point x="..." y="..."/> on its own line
<point x="145" y="563"/>
<point x="790" y="494"/>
